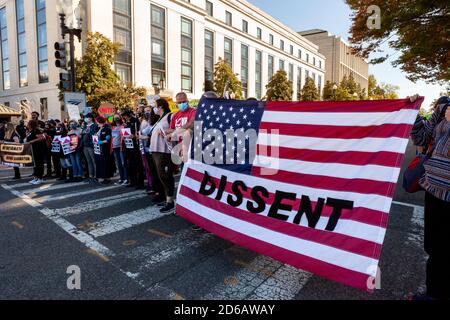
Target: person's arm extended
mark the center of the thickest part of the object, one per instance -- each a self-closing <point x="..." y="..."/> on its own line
<point x="423" y="130"/>
<point x="41" y="137"/>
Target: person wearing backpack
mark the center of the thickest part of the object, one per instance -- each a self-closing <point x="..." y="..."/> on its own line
<point x="436" y="183"/>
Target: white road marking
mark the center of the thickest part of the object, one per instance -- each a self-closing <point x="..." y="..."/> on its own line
<point x="126" y="221"/>
<point x="285" y="284"/>
<point x="91" y="205"/>
<point x="408" y="205"/>
<point x="27" y="184"/>
<point x="52" y="187"/>
<point x="255" y="279"/>
<point x="166" y="248"/>
<point x="84" y="238"/>
<point x="68" y="195"/>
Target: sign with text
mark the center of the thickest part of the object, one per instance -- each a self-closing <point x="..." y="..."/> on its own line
<point x="16" y="155"/>
<point x="77" y="99"/>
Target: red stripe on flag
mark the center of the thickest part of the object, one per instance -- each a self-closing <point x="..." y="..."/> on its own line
<point x="365" y="186"/>
<point x="358" y="214"/>
<point x="338" y="132"/>
<point x="336" y="240"/>
<point x="321" y="268"/>
<point x="362" y="106"/>
<point x="382" y="158"/>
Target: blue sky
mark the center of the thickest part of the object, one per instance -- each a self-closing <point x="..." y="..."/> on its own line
<point x="334" y="16"/>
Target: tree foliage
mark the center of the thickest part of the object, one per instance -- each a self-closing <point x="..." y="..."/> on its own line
<point x="225" y="79"/>
<point x="328" y="91"/>
<point x="98" y="80"/>
<point x="279" y="88"/>
<point x="381" y="91"/>
<point x="310" y="91"/>
<point x="419" y="29"/>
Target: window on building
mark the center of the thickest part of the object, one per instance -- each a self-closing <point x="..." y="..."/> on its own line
<point x="314" y="60"/>
<point x="158" y="42"/>
<point x="307" y="57"/>
<point x="314" y="77"/>
<point x="209" y="8"/>
<point x="5" y="49"/>
<point x="291" y="72"/>
<point x="228" y="18"/>
<point x="228" y="51"/>
<point x="44" y="108"/>
<point x="306" y="74"/>
<point x="282" y="45"/>
<point x="259" y="33"/>
<point x="186" y="55"/>
<point x="319" y="85"/>
<point x="281" y="65"/>
<point x="244" y="69"/>
<point x="299" y="84"/>
<point x="41" y="24"/>
<point x="21" y="44"/>
<point x="209" y="60"/>
<point x="122" y="35"/>
<point x="271" y="39"/>
<point x="245" y="26"/>
<point x="291" y="50"/>
<point x="258" y="74"/>
<point x="6" y="104"/>
<point x="270" y="64"/>
<point x="320" y="64"/>
<point x="299" y="53"/>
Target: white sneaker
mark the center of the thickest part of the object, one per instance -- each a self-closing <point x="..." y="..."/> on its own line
<point x="37" y="181"/>
<point x="33" y="181"/>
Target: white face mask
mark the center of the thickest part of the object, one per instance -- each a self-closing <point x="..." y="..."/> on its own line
<point x="155" y="110"/>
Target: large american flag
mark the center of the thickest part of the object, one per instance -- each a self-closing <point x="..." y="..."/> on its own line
<point x="317" y="192"/>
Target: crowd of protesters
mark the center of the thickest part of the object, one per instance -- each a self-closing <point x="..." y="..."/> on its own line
<point x="134" y="145"/>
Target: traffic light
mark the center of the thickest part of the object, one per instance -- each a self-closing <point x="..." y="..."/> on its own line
<point x="65" y="81"/>
<point x="60" y="55"/>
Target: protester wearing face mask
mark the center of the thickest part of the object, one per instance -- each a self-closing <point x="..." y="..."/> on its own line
<point x="103" y="160"/>
<point x="90" y="129"/>
<point x="144" y="143"/>
<point x="75" y="156"/>
<point x="118" y="152"/>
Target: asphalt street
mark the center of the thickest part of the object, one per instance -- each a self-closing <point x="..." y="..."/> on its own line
<point x="126" y="249"/>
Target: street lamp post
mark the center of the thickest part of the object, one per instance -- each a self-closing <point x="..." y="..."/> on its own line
<point x="72" y="32"/>
<point x="335" y="87"/>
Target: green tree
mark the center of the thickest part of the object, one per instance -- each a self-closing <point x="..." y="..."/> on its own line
<point x="279" y="88"/>
<point x="94" y="70"/>
<point x="328" y="91"/>
<point x="381" y="91"/>
<point x="342" y="94"/>
<point x="121" y="95"/>
<point x="225" y="79"/>
<point x="418" y="29"/>
<point x="309" y="91"/>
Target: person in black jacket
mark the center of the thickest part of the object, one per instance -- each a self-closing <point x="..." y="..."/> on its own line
<point x="134" y="161"/>
<point x="89" y="130"/>
<point x="103" y="161"/>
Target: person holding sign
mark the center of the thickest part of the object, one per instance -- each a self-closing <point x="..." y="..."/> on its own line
<point x="11" y="135"/>
<point x="103" y="161"/>
<point x="119" y="153"/>
<point x="75" y="152"/>
<point x="37" y="140"/>
<point x="88" y="146"/>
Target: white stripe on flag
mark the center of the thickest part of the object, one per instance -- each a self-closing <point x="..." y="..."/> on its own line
<point x="346" y="227"/>
<point x="369" y="201"/>
<point x="393" y="144"/>
<point x="337" y="170"/>
<point x="359" y="119"/>
<point x="311" y="249"/>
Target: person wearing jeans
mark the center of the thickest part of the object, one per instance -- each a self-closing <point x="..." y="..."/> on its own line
<point x="88" y="146"/>
<point x="119" y="154"/>
<point x="75" y="158"/>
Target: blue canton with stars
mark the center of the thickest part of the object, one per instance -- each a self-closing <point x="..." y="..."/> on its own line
<point x="217" y="116"/>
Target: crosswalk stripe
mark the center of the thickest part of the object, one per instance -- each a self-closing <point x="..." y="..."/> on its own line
<point x="52" y="187"/>
<point x="96" y="204"/>
<point x="27" y="184"/>
<point x="126" y="221"/>
<point x="84" y="238"/>
<point x="262" y="278"/>
<point x="285" y="284"/>
<point x="165" y="248"/>
<point x="68" y="195"/>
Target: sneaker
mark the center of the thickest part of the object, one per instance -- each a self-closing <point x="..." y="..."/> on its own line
<point x="33" y="181"/>
<point x="126" y="183"/>
<point x="119" y="182"/>
<point x="169" y="207"/>
<point x="37" y="181"/>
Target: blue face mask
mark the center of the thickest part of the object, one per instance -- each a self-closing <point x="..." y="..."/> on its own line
<point x="73" y="126"/>
<point x="183" y="106"/>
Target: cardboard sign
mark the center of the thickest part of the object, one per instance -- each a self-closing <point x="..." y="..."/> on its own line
<point x="74" y="113"/>
<point x="77" y="99"/>
<point x="106" y="110"/>
<point x="16" y="155"/>
<point x="97" y="149"/>
<point x="65" y="145"/>
<point x="126" y="133"/>
<point x="56" y="147"/>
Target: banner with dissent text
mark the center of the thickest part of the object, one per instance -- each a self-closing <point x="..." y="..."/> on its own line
<point x="16" y="154"/>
